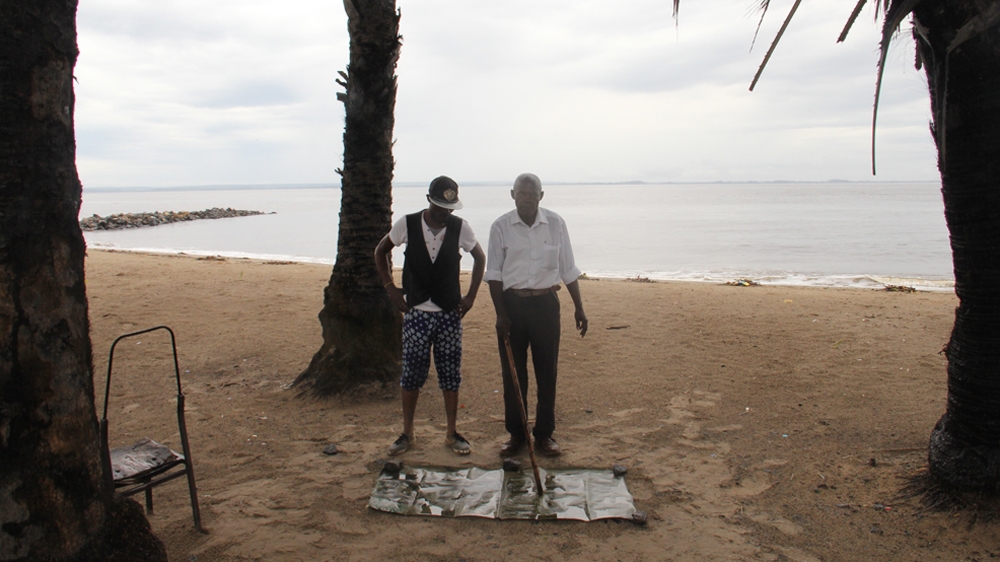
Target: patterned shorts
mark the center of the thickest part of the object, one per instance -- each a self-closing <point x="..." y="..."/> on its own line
<point x="424" y="331"/>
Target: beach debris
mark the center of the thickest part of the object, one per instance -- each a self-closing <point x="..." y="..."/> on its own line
<point x="638" y="279"/>
<point x="622" y="327"/>
<point x="331" y="449"/>
<point x="899" y="289"/>
<point x="742" y="283"/>
<point x="619" y="470"/>
<point x="136" y="220"/>
<point x="511" y="465"/>
<point x="392" y="467"/>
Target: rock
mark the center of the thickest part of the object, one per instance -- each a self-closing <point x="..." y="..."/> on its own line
<point x="330" y="449"/>
<point x="393" y="467"/>
<point x="619" y="470"/>
<point x="136" y="220"/>
<point x="511" y="465"/>
<point x="639" y="518"/>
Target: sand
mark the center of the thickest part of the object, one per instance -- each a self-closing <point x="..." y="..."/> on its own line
<point x="758" y="423"/>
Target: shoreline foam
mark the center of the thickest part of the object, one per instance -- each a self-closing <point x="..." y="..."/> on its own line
<point x="786" y="279"/>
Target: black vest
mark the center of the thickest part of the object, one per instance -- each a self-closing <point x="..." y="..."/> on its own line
<point x="437" y="281"/>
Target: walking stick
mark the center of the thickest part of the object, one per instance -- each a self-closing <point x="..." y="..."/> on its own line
<point x="524" y="414"/>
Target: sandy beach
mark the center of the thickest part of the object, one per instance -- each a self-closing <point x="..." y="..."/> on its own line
<point x="758" y="423"/>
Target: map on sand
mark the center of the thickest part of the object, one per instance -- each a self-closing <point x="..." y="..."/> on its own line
<point x="572" y="493"/>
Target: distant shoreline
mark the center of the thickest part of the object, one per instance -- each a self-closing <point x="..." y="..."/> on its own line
<point x="410" y="184"/>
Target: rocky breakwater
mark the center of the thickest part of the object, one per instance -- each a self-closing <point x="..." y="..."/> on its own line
<point x="136" y="220"/>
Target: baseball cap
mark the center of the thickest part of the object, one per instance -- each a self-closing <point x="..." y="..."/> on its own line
<point x="443" y="192"/>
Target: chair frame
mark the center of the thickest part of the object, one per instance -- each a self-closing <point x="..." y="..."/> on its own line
<point x="146" y="481"/>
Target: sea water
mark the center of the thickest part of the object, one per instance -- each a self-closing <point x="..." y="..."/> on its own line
<point x="821" y="234"/>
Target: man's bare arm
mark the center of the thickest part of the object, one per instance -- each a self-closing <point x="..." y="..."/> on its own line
<point x="382" y="253"/>
<point x="478" y="268"/>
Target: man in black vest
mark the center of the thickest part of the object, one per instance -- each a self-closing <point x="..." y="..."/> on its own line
<point x="431" y="302"/>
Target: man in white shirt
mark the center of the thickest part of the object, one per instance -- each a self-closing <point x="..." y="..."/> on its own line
<point x="529" y="256"/>
<point x="431" y="302"/>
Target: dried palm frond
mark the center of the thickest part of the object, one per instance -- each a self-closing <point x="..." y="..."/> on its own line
<point x="851" y="20"/>
<point x="774" y="43"/>
<point x="762" y="8"/>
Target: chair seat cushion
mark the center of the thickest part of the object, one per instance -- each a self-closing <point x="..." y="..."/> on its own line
<point x="144" y="457"/>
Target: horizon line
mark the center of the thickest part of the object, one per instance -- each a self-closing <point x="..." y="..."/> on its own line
<point x="480" y="183"/>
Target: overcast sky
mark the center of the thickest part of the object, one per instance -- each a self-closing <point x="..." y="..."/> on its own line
<point x="188" y="92"/>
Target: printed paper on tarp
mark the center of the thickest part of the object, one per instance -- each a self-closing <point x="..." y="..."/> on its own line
<point x="572" y="493"/>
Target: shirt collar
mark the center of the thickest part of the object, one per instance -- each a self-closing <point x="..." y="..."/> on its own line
<point x="542" y="218"/>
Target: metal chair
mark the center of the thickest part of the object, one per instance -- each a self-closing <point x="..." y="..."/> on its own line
<point x="147" y="464"/>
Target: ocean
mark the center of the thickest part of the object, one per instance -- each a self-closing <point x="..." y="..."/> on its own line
<point x="835" y="234"/>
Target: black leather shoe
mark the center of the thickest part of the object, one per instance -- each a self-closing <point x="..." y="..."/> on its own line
<point x="548" y="447"/>
<point x="512" y="447"/>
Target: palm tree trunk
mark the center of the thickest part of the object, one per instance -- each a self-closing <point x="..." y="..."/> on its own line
<point x="51" y="494"/>
<point x="361" y="328"/>
<point x="964" y="453"/>
<point x="54" y="505"/>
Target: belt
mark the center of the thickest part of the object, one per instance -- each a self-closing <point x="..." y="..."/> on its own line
<point x="533" y="292"/>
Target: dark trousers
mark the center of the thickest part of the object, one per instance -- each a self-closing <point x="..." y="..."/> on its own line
<point x="534" y="324"/>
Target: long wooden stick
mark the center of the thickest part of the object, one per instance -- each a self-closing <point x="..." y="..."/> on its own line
<point x="524" y="414"/>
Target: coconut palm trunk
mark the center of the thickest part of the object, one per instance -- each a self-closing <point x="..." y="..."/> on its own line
<point x="52" y="499"/>
<point x="964" y="85"/>
<point x="54" y="504"/>
<point x="361" y="328"/>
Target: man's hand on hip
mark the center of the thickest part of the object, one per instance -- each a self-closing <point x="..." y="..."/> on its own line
<point x="397" y="298"/>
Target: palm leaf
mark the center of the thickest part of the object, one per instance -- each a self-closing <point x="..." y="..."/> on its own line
<point x="764" y="5"/>
<point x="774" y="43"/>
<point x="850" y="20"/>
<point x="894" y="15"/>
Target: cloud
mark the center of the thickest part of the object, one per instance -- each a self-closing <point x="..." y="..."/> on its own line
<point x="188" y="93"/>
<point x="247" y="94"/>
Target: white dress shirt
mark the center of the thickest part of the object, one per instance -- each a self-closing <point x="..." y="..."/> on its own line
<point x="466" y="241"/>
<point x="530" y="257"/>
